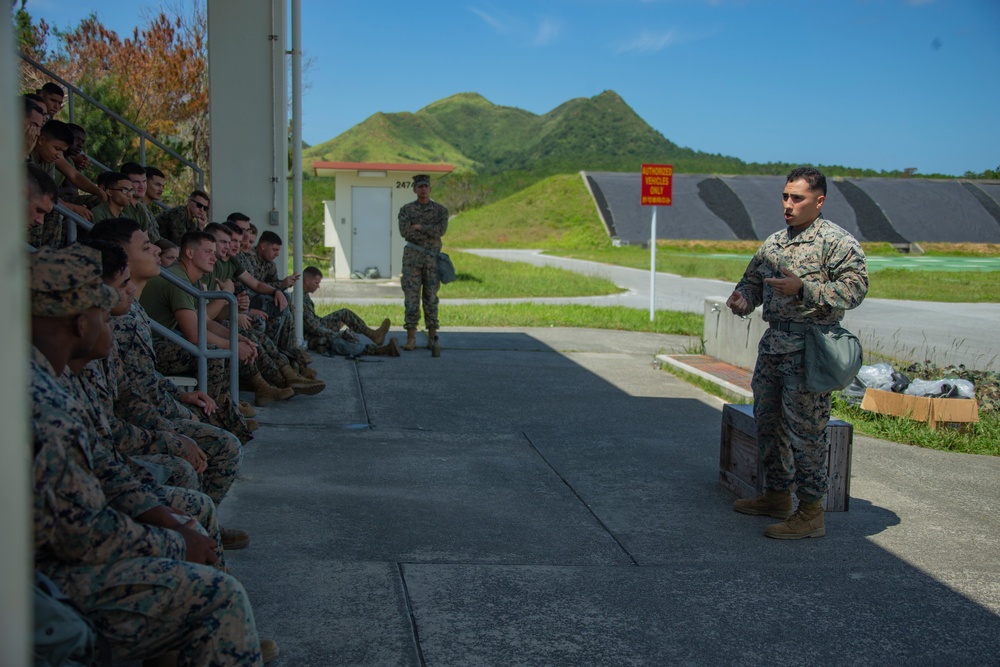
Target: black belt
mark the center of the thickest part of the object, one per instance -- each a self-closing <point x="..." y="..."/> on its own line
<point x="794" y="327"/>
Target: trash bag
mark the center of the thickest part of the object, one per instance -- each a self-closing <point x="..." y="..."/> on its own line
<point x="941" y="389"/>
<point x="876" y="376"/>
<point x="854" y="392"/>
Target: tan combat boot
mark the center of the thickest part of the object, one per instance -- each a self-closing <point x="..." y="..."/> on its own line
<point x="411" y="340"/>
<point x="263" y="393"/>
<point x="771" y="503"/>
<point x="300" y="384"/>
<point x="234" y="538"/>
<point x="806" y="522"/>
<point x="246" y="409"/>
<point x="269" y="650"/>
<point x="378" y="335"/>
<point x="308" y="373"/>
<point x="390" y="349"/>
<point x="432" y="333"/>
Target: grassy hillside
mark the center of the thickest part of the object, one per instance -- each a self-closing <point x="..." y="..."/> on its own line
<point x="397" y="137"/>
<point x="601" y="133"/>
<point x="556" y="213"/>
<point x="499" y="150"/>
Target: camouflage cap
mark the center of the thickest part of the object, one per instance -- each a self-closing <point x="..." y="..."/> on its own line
<point x="67" y="281"/>
<point x="421" y="179"/>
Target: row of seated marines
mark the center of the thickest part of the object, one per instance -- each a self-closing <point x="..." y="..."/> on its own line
<point x="128" y="467"/>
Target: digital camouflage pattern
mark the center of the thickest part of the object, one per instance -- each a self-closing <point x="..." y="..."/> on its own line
<point x="832" y="267"/>
<point x="139" y="379"/>
<point x="147" y="221"/>
<point x="67" y="281"/>
<point x="127" y="577"/>
<point x="791" y="422"/>
<point x="323" y="334"/>
<point x="419" y="277"/>
<point x="222" y="449"/>
<point x="184" y="501"/>
<point x="174" y="223"/>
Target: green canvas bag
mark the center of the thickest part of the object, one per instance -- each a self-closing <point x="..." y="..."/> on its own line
<point x="833" y="357"/>
<point x="446" y="270"/>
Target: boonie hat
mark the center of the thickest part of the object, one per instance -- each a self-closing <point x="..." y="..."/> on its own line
<point x="67" y="281"/>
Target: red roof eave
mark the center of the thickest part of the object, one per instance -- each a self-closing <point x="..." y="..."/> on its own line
<point x="382" y="166"/>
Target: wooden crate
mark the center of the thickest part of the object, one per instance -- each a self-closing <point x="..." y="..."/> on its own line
<point x="739" y="457"/>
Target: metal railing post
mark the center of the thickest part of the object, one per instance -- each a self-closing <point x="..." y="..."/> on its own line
<point x="199" y="350"/>
<point x="142" y="134"/>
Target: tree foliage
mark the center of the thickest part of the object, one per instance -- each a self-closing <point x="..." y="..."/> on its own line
<point x="156" y="78"/>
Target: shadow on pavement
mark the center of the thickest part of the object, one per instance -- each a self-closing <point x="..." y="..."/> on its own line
<point x="546" y="497"/>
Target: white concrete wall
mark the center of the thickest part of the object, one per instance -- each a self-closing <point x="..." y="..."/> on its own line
<point x="341" y="224"/>
<point x="249" y="113"/>
<point x="15" y="452"/>
<point x="336" y="235"/>
<point x="731" y="338"/>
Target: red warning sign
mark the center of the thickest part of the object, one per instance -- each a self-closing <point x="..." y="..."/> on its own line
<point x="657" y="184"/>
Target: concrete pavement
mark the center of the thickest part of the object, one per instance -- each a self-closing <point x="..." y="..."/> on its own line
<point x="547" y="497"/>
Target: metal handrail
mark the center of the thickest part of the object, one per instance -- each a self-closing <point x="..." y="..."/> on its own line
<point x="201" y="350"/>
<point x="143" y="135"/>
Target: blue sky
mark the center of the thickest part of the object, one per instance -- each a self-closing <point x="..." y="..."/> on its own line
<point x="884" y="84"/>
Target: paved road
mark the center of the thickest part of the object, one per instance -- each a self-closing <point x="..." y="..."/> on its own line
<point x="946" y="333"/>
<point x="546" y="497"/>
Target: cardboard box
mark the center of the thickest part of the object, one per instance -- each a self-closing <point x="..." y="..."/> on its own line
<point x="920" y="408"/>
<point x="739" y="457"/>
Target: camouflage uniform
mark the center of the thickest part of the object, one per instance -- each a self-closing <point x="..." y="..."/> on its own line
<point x="147" y="221"/>
<point x="420" y="268"/>
<point x="279" y="329"/>
<point x="323" y="334"/>
<point x="222" y="449"/>
<point x="172" y="359"/>
<point x="127" y="577"/>
<point x="52" y="231"/>
<point x="175" y="222"/>
<point x="791" y="422"/>
<point x="140" y="382"/>
<point x="101" y="435"/>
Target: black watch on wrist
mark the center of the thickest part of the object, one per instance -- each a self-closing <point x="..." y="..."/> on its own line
<point x="802" y="292"/>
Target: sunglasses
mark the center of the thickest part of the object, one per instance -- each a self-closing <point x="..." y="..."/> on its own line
<point x="203" y="207"/>
<point x="124" y="191"/>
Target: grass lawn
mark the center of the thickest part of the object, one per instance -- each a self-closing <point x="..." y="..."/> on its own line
<point x="904" y="284"/>
<point x="486" y="278"/>
<point x="544" y="315"/>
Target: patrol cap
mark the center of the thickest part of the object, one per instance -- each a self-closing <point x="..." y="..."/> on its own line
<point x="67" y="281"/>
<point x="421" y="179"/>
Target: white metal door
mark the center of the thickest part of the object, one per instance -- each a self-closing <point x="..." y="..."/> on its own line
<point x="371" y="213"/>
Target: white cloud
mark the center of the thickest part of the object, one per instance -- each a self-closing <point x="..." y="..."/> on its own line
<point x="548" y="32"/>
<point x="488" y="19"/>
<point x="649" y="41"/>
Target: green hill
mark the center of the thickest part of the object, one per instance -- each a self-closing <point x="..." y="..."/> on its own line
<point x="601" y="133"/>
<point x="498" y="151"/>
<point x="556" y="212"/>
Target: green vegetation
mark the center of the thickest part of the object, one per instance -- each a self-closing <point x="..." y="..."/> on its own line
<point x="556" y="213"/>
<point x="498" y="151"/>
<point x="314" y="192"/>
<point x="977" y="438"/>
<point x="486" y="278"/>
<point x="543" y="315"/>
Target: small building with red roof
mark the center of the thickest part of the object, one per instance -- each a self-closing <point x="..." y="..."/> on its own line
<point x="361" y="226"/>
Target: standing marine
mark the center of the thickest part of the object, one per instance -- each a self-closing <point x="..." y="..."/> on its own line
<point x="422" y="223"/>
<point x="805" y="275"/>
